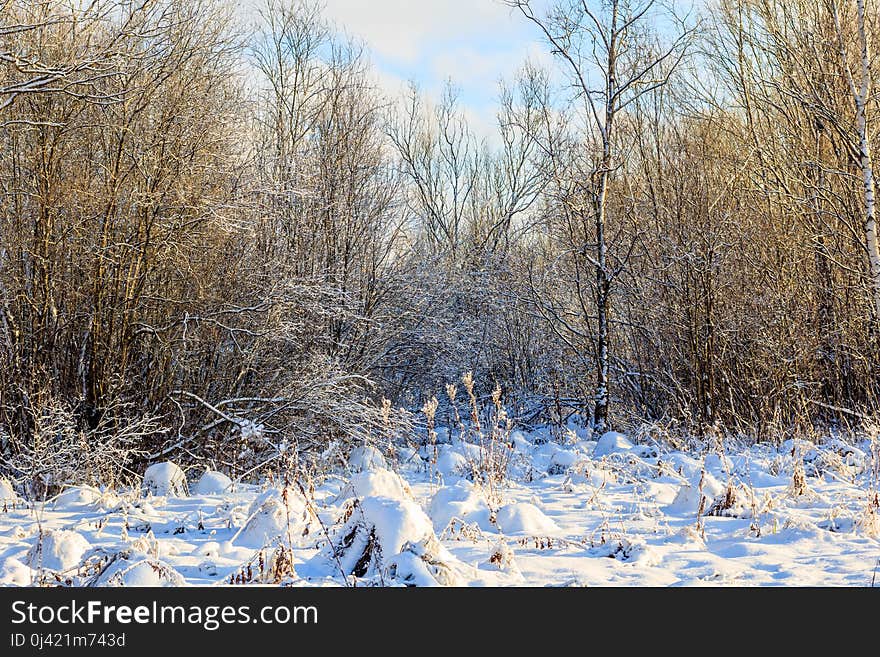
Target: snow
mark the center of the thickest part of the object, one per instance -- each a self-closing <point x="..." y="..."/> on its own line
<point x="165" y="479"/>
<point x="76" y="496"/>
<point x="272" y="516"/>
<point x="138" y="570"/>
<point x="461" y="500"/>
<point x="389" y="539"/>
<point x="525" y="519"/>
<point x="717" y="464"/>
<point x="7" y="492"/>
<point x="564" y="458"/>
<point x="212" y="483"/>
<point x="612" y="442"/>
<point x="687" y="499"/>
<point x="57" y="550"/>
<point x="571" y="512"/>
<point x="502" y="557"/>
<point x="366" y="458"/>
<point x="396" y="522"/>
<point x="452" y="463"/>
<point x="382" y="483"/>
<point x="14" y="573"/>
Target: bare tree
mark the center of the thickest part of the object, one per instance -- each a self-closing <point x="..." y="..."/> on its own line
<point x="610" y="59"/>
<point x="860" y="85"/>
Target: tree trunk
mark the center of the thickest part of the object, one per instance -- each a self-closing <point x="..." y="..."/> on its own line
<point x="865" y="164"/>
<point x="603" y="283"/>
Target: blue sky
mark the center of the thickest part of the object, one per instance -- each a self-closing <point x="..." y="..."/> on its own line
<point x="473" y="42"/>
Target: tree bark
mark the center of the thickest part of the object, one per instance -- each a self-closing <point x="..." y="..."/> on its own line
<point x="861" y="97"/>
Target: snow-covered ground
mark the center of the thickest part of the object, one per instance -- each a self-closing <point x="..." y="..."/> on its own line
<point x="570" y="513"/>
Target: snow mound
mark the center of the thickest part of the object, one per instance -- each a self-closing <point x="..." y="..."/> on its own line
<point x="793" y="446"/>
<point x="58" y="550"/>
<point x="629" y="550"/>
<point x="425" y="563"/>
<point x="687" y="499"/>
<point x="7" y="492"/>
<point x="564" y="458"/>
<point x="270" y="518"/>
<point x="452" y="463"/>
<point x="612" y="442"/>
<point x="462" y="500"/>
<point x="733" y="502"/>
<point x="376" y="483"/>
<point x="561" y="460"/>
<point x="366" y="458"/>
<point x="393" y="539"/>
<point x="134" y="569"/>
<point x="14" y="573"/>
<point x="396" y="522"/>
<point x="520" y="442"/>
<point x="502" y="557"/>
<point x="527" y="519"/>
<point x="165" y="479"/>
<point x="212" y="483"/>
<point x="77" y="496"/>
<point x="683" y="464"/>
<point x="717" y="464"/>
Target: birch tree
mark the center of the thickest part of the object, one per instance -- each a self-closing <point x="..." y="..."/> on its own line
<point x="860" y="86"/>
<point x="610" y="57"/>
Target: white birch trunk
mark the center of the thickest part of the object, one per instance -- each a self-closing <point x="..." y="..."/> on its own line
<point x="865" y="163"/>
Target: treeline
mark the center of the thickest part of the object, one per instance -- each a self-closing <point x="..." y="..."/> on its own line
<point x="219" y="240"/>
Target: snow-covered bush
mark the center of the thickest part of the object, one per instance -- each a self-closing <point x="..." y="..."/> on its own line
<point x="130" y="568"/>
<point x="7" y="492"/>
<point x="57" y="550"/>
<point x="522" y="518"/>
<point x="366" y="457"/>
<point x="58" y="451"/>
<point x="612" y="442"/>
<point x="389" y="539"/>
<point x="689" y="499"/>
<point x="164" y="479"/>
<point x="462" y="500"/>
<point x="275" y="516"/>
<point x="376" y="483"/>
<point x="76" y="496"/>
<point x="212" y="483"/>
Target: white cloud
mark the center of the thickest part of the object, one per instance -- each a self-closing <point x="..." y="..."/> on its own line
<point x="402" y="30"/>
<point x="470" y="66"/>
<point x="474" y="43"/>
